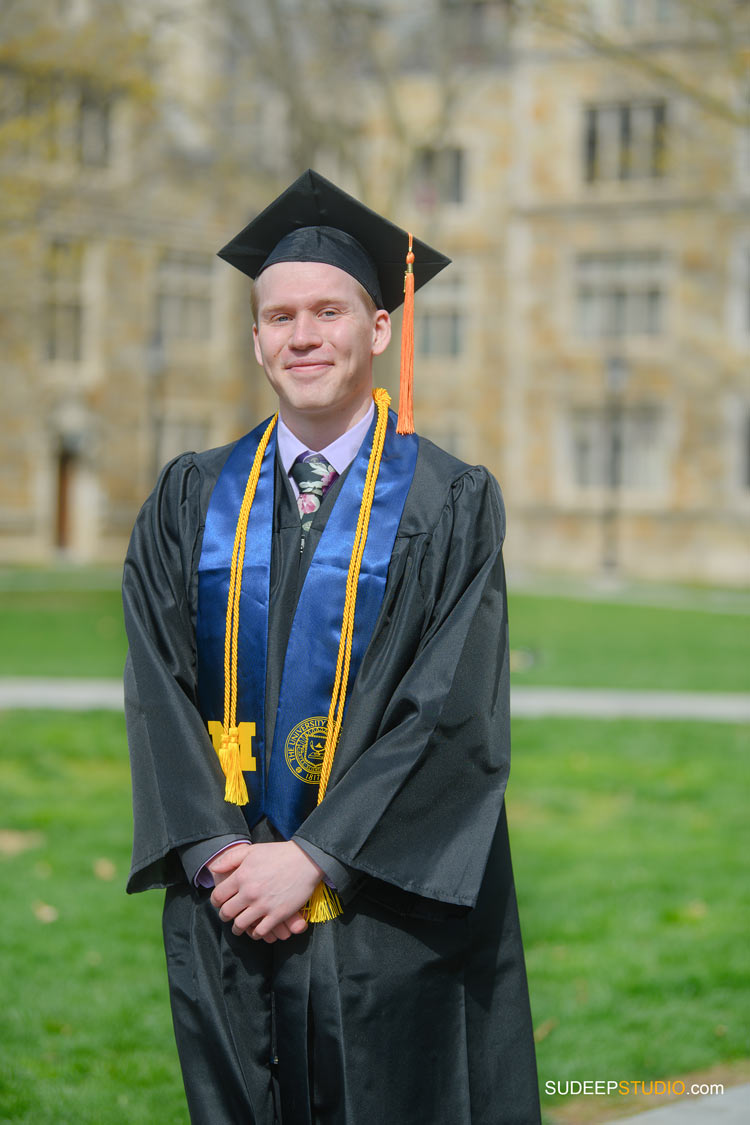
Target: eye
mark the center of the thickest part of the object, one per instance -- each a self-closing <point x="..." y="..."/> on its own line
<point x="329" y="313"/>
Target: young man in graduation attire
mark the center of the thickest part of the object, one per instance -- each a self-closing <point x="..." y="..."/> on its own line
<point x="317" y="704"/>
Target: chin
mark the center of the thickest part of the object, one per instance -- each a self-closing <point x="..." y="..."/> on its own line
<point x="316" y="399"/>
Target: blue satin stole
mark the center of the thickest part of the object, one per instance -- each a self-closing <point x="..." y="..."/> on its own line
<point x="289" y="792"/>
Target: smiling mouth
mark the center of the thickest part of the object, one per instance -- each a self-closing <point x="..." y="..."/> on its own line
<point x="307" y="366"/>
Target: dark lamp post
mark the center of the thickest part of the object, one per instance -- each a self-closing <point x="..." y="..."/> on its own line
<point x="616" y="376"/>
<point x="155" y="367"/>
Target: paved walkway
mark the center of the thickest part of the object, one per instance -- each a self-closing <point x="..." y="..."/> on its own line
<point x="526" y="702"/>
<point x="730" y="1108"/>
<point x="609" y="703"/>
<point x="61" y="694"/>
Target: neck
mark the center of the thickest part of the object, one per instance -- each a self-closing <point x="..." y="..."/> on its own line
<point x="317" y="432"/>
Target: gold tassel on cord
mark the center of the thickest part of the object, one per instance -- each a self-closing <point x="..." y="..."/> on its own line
<point x="405" y="423"/>
<point x="229" y="756"/>
<point x="323" y="905"/>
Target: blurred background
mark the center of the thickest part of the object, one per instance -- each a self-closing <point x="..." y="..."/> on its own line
<point x="586" y="164"/>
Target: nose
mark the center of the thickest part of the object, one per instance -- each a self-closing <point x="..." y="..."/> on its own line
<point x="306" y="331"/>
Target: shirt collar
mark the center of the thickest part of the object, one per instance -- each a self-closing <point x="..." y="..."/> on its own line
<point x="339" y="454"/>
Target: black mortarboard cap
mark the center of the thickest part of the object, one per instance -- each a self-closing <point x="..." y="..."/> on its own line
<point x="315" y="221"/>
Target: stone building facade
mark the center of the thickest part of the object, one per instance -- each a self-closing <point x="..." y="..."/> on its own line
<point x="590" y="344"/>
<point x="601" y="365"/>
<point x="628" y="326"/>
<point x="125" y="339"/>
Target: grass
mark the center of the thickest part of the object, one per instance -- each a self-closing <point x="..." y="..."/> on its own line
<point x="61" y="632"/>
<point x="84" y="1023"/>
<point x="579" y="643"/>
<point x="65" y="630"/>
<point x="629" y="843"/>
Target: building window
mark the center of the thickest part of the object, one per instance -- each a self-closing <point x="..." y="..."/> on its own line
<point x="477" y="30"/>
<point x="636" y="13"/>
<point x="609" y="450"/>
<point x="440" y="319"/>
<point x="35" y="103"/>
<point x="55" y="120"/>
<point x="738" y="306"/>
<point x="184" y="296"/>
<point x="649" y="13"/>
<point x="619" y="294"/>
<point x="625" y="141"/>
<point x="63" y="308"/>
<point x="439" y="176"/>
<point x="181" y="435"/>
<point x="441" y="334"/>
<point x="743" y="138"/>
<point x="94" y="130"/>
<point x="665" y="11"/>
<point x="73" y="11"/>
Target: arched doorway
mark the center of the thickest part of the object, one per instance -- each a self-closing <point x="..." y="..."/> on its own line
<point x="67" y="471"/>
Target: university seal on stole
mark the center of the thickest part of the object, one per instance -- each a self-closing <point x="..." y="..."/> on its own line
<point x="304" y="748"/>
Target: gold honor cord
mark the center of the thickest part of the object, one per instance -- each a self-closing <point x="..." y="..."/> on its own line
<point x="324" y="903"/>
<point x="229" y="754"/>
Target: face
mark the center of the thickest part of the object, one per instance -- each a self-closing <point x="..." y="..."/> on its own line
<point x="315" y="335"/>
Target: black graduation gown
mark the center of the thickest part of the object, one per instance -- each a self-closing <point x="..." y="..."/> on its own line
<point x="412" y="1007"/>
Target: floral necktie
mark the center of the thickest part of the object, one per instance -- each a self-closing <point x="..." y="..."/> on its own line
<point x="313" y="476"/>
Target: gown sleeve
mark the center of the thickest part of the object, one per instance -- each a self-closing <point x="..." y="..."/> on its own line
<point x="419" y="807"/>
<point x="178" y="785"/>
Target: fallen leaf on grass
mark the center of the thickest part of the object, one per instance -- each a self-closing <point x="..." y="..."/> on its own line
<point x="521" y="659"/>
<point x="544" y="1030"/>
<point x="105" y="869"/>
<point x="43" y="912"/>
<point x="13" y="842"/>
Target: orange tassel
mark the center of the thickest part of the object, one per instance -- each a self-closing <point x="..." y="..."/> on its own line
<point x="405" y="399"/>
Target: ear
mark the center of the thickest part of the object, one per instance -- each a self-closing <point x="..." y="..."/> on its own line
<point x="256" y="345"/>
<point x="381" y="332"/>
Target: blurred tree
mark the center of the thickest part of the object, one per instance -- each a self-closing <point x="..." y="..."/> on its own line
<point x="657" y="38"/>
<point x="64" y="67"/>
<point x="70" y="74"/>
<point x="336" y="83"/>
<point x="333" y="81"/>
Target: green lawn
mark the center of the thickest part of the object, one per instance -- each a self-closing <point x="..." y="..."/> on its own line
<point x="580" y="643"/>
<point x="629" y="840"/>
<point x="78" y="632"/>
<point x="84" y="1022"/>
<point x="630" y="844"/>
<point x="61" y="632"/>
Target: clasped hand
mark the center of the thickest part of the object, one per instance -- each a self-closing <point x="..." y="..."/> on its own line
<point x="260" y="888"/>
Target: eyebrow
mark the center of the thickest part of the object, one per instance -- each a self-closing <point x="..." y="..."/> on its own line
<point x="320" y="303"/>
